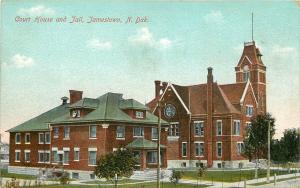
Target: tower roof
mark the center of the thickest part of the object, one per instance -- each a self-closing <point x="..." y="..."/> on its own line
<point x="251" y="53"/>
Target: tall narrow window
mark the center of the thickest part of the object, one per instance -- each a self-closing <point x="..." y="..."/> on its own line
<point x="92" y="157"/>
<point x="154" y="133"/>
<point x="55" y="156"/>
<point x="198" y="128"/>
<point x="18" y="138"/>
<point x="138" y="131"/>
<point x="236" y="127"/>
<point x="55" y="132"/>
<point x="47" y="138"/>
<point x="246" y="73"/>
<point x="66" y="157"/>
<point x="17" y="155"/>
<point x="219" y="127"/>
<point x="199" y="149"/>
<point x="249" y="110"/>
<point x="27" y="138"/>
<point x="239" y="147"/>
<point x="27" y="155"/>
<point x="41" y="138"/>
<point x="174" y="129"/>
<point x="120" y="132"/>
<point x="219" y="149"/>
<point x="76" y="154"/>
<point x="184" y="149"/>
<point x="66" y="132"/>
<point x="93" y="131"/>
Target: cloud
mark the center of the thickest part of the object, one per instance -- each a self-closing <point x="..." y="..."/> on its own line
<point x="38" y="10"/>
<point x="282" y="50"/>
<point x="165" y="43"/>
<point x="22" y="61"/>
<point x="214" y="17"/>
<point x="145" y="37"/>
<point x="96" y="44"/>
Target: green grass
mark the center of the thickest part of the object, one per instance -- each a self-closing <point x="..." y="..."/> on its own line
<point x="5" y="174"/>
<point x="230" y="176"/>
<point x="144" y="185"/>
<point x="272" y="181"/>
<point x="112" y="182"/>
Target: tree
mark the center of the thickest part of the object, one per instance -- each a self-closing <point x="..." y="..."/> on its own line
<point x="287" y="149"/>
<point x="256" y="142"/>
<point x="120" y="162"/>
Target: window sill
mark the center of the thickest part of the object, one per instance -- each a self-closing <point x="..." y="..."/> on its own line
<point x="18" y="143"/>
<point x="66" y="138"/>
<point x="120" y="138"/>
<point x="199" y="156"/>
<point x="155" y="139"/>
<point x="199" y="136"/>
<point x="138" y="136"/>
<point x="27" y="142"/>
<point x="76" y="160"/>
<point x="66" y="164"/>
<point x="152" y="163"/>
<point x="17" y="161"/>
<point x="55" y="136"/>
<point x="93" y="138"/>
<point x="173" y="138"/>
<point x="92" y="165"/>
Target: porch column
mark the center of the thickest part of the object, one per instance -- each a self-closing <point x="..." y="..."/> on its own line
<point x="143" y="159"/>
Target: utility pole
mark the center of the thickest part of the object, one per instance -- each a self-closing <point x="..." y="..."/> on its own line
<point x="158" y="144"/>
<point x="269" y="153"/>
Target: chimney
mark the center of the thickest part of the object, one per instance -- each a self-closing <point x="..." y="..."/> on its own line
<point x="157" y="88"/>
<point x="209" y="129"/>
<point x="75" y="96"/>
<point x="164" y="86"/>
<point x="64" y="100"/>
<point x="210" y="77"/>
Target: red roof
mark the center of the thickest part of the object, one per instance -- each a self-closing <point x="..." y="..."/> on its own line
<point x="195" y="97"/>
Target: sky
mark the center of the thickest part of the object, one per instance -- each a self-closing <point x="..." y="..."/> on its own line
<point x="176" y="42"/>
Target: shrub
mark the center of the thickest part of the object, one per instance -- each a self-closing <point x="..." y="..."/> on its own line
<point x="176" y="176"/>
<point x="64" y="178"/>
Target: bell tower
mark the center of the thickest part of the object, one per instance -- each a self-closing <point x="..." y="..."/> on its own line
<point x="250" y="67"/>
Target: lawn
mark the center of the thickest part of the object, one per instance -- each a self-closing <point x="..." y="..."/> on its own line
<point x="5" y="174"/>
<point x="112" y="182"/>
<point x="230" y="176"/>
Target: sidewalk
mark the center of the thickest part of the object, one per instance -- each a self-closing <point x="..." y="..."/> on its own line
<point x="288" y="183"/>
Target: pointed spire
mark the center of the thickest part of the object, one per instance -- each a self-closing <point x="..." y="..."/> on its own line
<point x="252" y="27"/>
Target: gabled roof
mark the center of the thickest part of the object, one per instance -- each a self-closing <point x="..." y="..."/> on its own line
<point x="194" y="97"/>
<point x="142" y="143"/>
<point x="110" y="108"/>
<point x="40" y="123"/>
<point x="234" y="92"/>
<point x="85" y="103"/>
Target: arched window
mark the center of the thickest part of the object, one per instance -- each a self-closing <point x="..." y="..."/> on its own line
<point x="246" y="73"/>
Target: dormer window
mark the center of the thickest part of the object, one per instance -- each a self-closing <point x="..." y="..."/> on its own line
<point x="139" y="114"/>
<point x="76" y="113"/>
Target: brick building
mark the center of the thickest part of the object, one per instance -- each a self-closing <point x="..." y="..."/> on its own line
<point x="72" y="135"/>
<point x="208" y="121"/>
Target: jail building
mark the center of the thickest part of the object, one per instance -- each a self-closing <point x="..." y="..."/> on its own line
<point x="73" y="135"/>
